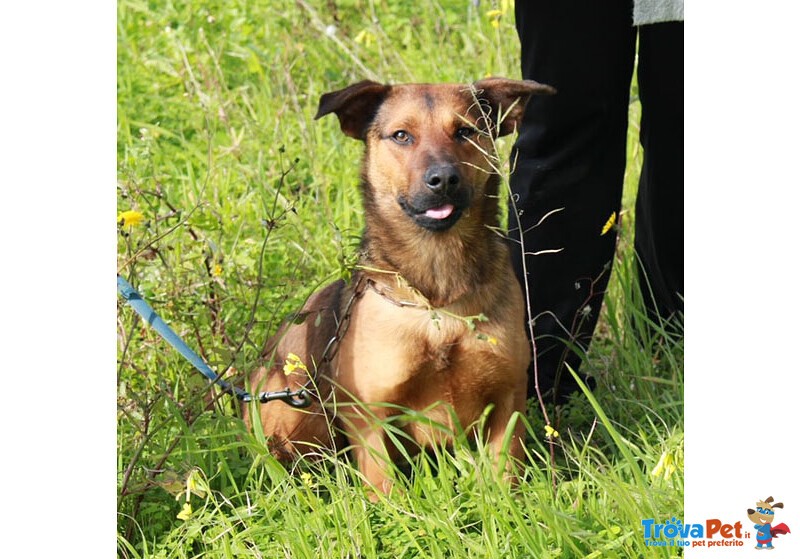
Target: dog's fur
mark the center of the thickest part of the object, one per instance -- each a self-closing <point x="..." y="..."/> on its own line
<point x="430" y="260"/>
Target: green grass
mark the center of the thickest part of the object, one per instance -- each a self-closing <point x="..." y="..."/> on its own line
<point x="250" y="206"/>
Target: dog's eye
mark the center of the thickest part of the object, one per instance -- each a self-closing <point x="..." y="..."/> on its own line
<point x="401" y="137"/>
<point x="465" y="132"/>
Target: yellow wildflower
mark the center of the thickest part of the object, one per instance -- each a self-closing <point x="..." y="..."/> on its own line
<point x="130" y="218"/>
<point x="550" y="433"/>
<point x="665" y="467"/>
<point x="186" y="511"/>
<point x="609" y="224"/>
<point x="293" y="364"/>
<point x="494" y="17"/>
<point x="216" y="271"/>
<point x="307" y="479"/>
<point x="192" y="485"/>
<point x="365" y="37"/>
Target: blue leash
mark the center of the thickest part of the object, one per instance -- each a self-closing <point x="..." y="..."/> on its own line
<point x="297" y="399"/>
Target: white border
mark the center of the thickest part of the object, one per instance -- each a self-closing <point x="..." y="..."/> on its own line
<point x="58" y="177"/>
<point x="742" y="246"/>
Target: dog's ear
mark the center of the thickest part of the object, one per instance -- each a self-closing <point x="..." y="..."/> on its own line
<point x="355" y="106"/>
<point x="507" y="100"/>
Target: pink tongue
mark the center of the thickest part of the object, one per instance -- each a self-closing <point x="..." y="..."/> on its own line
<point x="441" y="212"/>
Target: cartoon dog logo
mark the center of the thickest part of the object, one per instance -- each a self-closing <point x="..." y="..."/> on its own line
<point x="762" y="518"/>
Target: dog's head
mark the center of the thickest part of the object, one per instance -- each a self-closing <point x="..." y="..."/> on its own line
<point x="428" y="147"/>
<point x="764" y="512"/>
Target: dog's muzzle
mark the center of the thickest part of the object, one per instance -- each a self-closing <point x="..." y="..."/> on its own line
<point x="439" y="204"/>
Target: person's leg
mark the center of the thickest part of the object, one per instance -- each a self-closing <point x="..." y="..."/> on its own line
<point x="569" y="159"/>
<point x="659" y="202"/>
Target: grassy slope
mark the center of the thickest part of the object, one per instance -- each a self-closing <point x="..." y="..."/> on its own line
<point x="250" y="206"/>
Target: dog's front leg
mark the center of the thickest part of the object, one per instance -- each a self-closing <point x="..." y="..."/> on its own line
<point x="372" y="455"/>
<point x="498" y="426"/>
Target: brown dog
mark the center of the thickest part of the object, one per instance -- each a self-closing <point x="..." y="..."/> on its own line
<point x="433" y="319"/>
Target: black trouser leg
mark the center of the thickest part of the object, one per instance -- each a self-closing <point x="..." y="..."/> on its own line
<point x="659" y="203"/>
<point x="570" y="159"/>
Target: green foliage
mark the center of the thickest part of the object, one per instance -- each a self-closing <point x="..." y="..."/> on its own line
<point x="249" y="206"/>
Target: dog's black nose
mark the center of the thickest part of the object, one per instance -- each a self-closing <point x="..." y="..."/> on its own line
<point x="441" y="178"/>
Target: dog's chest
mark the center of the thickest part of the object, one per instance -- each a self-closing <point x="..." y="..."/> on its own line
<point x="410" y="355"/>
